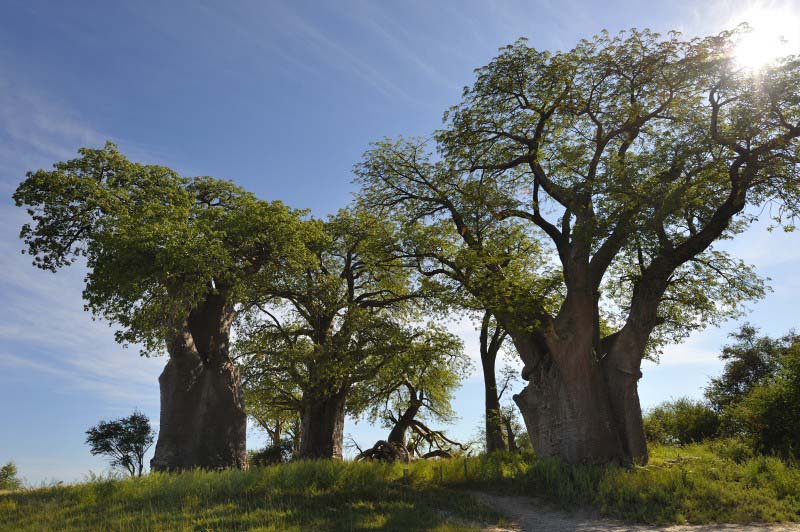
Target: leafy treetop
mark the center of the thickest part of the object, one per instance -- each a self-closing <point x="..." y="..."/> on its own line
<point x="155" y="243"/>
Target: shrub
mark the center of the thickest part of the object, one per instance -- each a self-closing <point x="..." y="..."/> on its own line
<point x="734" y="449"/>
<point x="271" y="454"/>
<point x="8" y="477"/>
<point x="769" y="415"/>
<point x="124" y="440"/>
<point x="680" y="422"/>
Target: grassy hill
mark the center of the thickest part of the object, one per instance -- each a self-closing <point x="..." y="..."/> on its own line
<point x="298" y="496"/>
<point x="697" y="484"/>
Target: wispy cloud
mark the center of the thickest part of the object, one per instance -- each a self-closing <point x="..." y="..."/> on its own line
<point x="282" y="32"/>
<point x="34" y="131"/>
<point x="119" y="387"/>
<point x="43" y="327"/>
<point x="339" y="54"/>
<point x="411" y="48"/>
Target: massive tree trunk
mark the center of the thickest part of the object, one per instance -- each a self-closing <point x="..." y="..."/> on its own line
<point x="573" y="406"/>
<point x="494" y="420"/>
<point x="322" y="425"/>
<point x="567" y="410"/>
<point x="621" y="367"/>
<point x="203" y="422"/>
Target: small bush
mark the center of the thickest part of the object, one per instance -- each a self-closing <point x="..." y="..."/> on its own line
<point x="734" y="449"/>
<point x="8" y="477"/>
<point x="681" y="422"/>
<point x="272" y="454"/>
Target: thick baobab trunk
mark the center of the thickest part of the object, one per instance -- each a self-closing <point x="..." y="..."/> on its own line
<point x="621" y="366"/>
<point x="203" y="421"/>
<point x="567" y="405"/>
<point x="584" y="409"/>
<point x="581" y="403"/>
<point x="322" y="426"/>
<point x="567" y="411"/>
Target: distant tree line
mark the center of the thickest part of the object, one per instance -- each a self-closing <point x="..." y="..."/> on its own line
<point x="756" y="399"/>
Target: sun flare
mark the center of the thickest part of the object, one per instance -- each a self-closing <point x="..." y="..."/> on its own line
<point x="773" y="33"/>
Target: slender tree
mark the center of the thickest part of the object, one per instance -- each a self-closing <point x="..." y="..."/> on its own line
<point x="168" y="258"/>
<point x="492" y="337"/>
<point x="631" y="155"/>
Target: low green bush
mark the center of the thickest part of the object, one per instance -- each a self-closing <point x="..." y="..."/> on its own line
<point x="734" y="449"/>
<point x="271" y="454"/>
<point x="8" y="477"/>
<point x="680" y="422"/>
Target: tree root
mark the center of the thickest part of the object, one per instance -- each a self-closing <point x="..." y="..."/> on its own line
<point x="385" y="451"/>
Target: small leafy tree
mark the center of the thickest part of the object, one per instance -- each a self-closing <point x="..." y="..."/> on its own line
<point x="315" y="335"/>
<point x="414" y="387"/>
<point x="8" y="477"/>
<point x="749" y="360"/>
<point x="125" y="440"/>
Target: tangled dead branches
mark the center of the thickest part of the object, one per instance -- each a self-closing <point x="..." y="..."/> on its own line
<point x="438" y="446"/>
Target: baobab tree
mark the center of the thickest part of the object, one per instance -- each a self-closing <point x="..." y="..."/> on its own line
<point x="315" y="334"/>
<point x="168" y="258"/>
<point x="630" y="156"/>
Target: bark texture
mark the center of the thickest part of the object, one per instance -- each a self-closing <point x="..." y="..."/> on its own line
<point x="581" y="403"/>
<point x="404" y="421"/>
<point x="568" y="414"/>
<point x="203" y="421"/>
<point x="322" y="426"/>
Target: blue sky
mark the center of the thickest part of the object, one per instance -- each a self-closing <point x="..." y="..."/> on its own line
<point x="282" y="97"/>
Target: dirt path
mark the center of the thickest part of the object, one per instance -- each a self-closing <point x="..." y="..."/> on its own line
<point x="526" y="514"/>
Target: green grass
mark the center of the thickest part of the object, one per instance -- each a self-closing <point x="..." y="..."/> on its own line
<point x="692" y="484"/>
<point x="297" y="496"/>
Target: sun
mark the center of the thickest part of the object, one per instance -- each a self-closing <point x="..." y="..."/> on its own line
<point x="774" y="33"/>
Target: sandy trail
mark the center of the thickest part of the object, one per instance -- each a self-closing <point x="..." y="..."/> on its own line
<point x="526" y="514"/>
